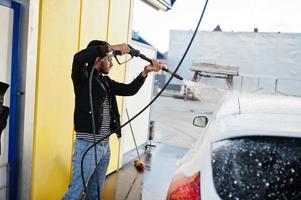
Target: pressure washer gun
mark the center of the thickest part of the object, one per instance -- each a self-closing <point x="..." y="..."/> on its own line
<point x="136" y="53"/>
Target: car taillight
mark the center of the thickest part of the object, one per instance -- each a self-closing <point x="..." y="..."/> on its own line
<point x="184" y="188"/>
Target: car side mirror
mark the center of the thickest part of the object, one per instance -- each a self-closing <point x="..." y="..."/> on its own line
<point x="200" y="121"/>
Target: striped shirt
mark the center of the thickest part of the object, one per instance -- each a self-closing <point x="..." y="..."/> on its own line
<point x="105" y="125"/>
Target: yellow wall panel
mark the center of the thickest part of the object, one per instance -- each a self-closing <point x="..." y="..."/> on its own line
<point x="118" y="32"/>
<point x="53" y="132"/>
<point x="107" y="20"/>
<point x="94" y="19"/>
<point x="94" y="25"/>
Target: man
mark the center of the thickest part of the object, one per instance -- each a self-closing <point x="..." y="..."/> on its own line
<point x="105" y="110"/>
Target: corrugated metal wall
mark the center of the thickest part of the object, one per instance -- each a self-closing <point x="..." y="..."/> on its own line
<point x="64" y="28"/>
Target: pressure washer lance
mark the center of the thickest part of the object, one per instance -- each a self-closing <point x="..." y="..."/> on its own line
<point x="136" y="53"/>
<point x="138" y="163"/>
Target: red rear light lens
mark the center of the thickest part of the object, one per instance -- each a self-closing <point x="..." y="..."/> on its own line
<point x="185" y="188"/>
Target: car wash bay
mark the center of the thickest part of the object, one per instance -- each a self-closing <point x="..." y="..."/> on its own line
<point x="174" y="135"/>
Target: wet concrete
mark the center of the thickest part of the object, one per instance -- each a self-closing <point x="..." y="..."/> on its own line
<point x="173" y="120"/>
<point x="174" y="135"/>
<point x="152" y="183"/>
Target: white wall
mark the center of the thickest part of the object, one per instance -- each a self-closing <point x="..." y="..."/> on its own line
<point x="29" y="48"/>
<point x="6" y="24"/>
<point x="135" y="103"/>
<point x="269" y="56"/>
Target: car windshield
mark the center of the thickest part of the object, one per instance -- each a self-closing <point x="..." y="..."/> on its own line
<point x="257" y="168"/>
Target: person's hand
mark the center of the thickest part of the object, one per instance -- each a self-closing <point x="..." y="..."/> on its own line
<point x="123" y="48"/>
<point x="154" y="67"/>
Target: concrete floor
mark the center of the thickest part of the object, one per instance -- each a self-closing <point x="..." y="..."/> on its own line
<point x="152" y="183"/>
<point x="173" y="137"/>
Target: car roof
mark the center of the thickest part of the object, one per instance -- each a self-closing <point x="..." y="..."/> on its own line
<point x="253" y="115"/>
<point x="244" y="115"/>
<point x="254" y="103"/>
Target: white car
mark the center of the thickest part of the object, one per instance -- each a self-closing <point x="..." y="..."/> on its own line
<point x="251" y="149"/>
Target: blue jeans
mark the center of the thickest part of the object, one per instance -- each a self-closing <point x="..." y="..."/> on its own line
<point x="76" y="186"/>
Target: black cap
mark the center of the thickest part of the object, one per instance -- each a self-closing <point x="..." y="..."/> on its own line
<point x="97" y="43"/>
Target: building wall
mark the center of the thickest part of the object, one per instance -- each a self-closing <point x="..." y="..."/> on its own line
<point x="140" y="125"/>
<point x="262" y="58"/>
<point x="119" y="31"/>
<point x="54" y="101"/>
<point x="65" y="27"/>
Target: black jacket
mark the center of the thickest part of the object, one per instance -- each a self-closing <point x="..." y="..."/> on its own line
<point x="80" y="78"/>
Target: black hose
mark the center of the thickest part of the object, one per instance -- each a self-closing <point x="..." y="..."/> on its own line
<point x="94" y="138"/>
<point x="151" y="102"/>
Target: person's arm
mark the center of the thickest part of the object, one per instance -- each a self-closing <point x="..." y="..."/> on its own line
<point x="122" y="89"/>
<point x="80" y="60"/>
<point x="132" y="88"/>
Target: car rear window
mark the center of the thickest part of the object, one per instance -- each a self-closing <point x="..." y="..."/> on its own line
<point x="257" y="168"/>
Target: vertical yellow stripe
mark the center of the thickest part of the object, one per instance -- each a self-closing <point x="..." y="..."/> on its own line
<point x="108" y="20"/>
<point x="129" y="22"/>
<point x="52" y="142"/>
<point x="80" y="23"/>
<point x="78" y="48"/>
<point x="36" y="99"/>
<point x="124" y="74"/>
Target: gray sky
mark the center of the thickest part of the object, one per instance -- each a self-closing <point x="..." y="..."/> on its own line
<point x="231" y="15"/>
